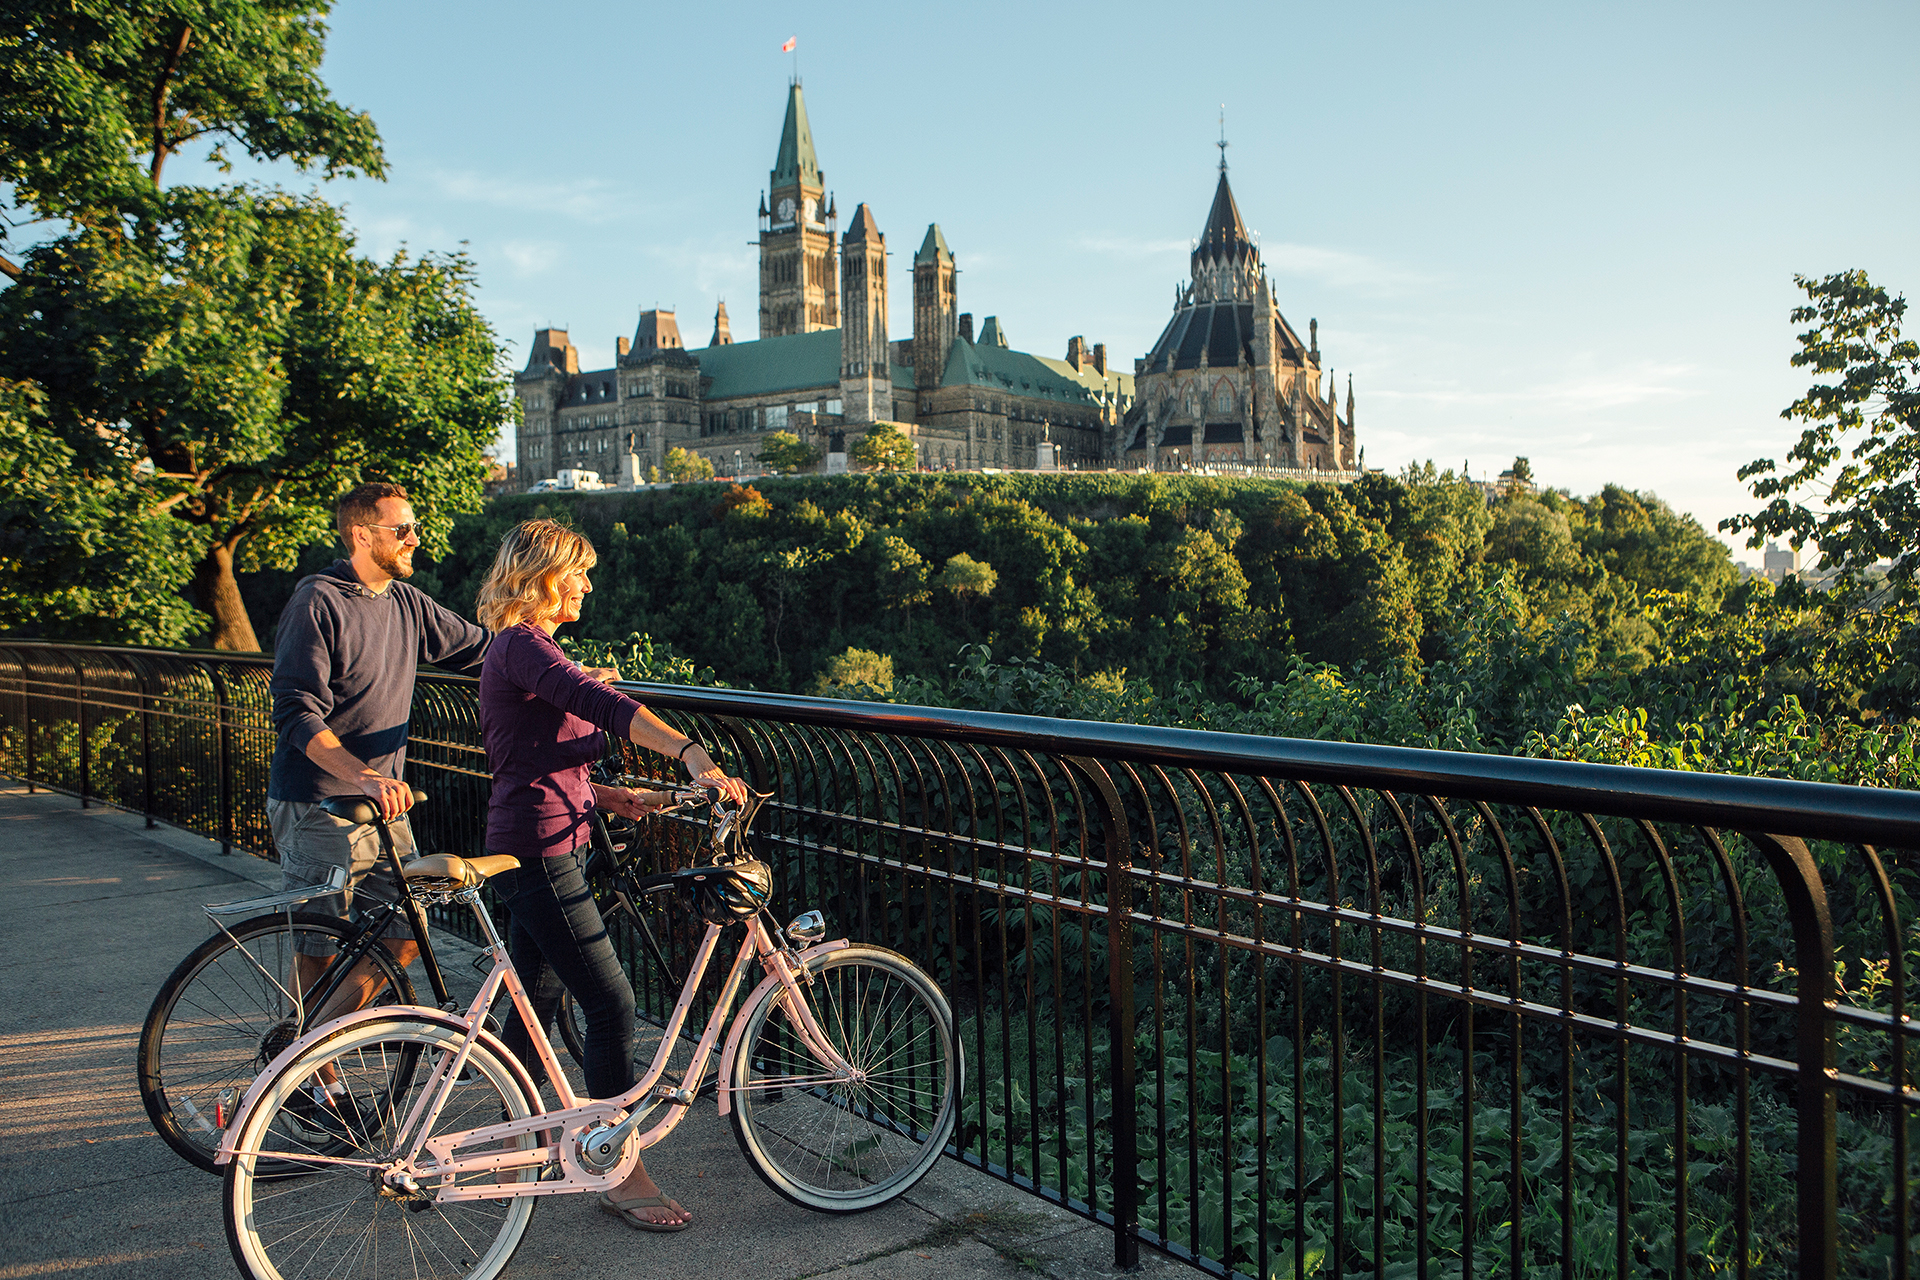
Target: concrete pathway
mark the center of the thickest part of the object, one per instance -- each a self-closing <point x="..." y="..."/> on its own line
<point x="97" y="912"/>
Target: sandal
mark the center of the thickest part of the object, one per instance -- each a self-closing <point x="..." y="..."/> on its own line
<point x="624" y="1210"/>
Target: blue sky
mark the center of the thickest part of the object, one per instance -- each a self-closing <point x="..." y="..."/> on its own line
<point x="1535" y="228"/>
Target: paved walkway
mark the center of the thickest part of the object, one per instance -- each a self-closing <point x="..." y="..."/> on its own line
<point x="97" y="912"/>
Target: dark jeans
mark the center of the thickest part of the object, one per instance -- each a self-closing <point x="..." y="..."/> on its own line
<point x="559" y="943"/>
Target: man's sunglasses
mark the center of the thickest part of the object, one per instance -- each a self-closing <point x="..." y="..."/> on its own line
<point x="400" y="532"/>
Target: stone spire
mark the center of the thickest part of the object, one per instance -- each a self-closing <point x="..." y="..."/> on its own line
<point x="1226" y="234"/>
<point x="722" y="335"/>
<point x="796" y="161"/>
<point x="866" y="375"/>
<point x="935" y="309"/>
<point x="1349" y="402"/>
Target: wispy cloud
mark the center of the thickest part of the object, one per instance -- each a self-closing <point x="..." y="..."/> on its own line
<point x="579" y="199"/>
<point x="530" y="257"/>
<point x="1136" y="247"/>
<point x="1615" y="388"/>
<point x="1338" y="267"/>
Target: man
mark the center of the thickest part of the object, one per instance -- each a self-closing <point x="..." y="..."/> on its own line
<point x="344" y="659"/>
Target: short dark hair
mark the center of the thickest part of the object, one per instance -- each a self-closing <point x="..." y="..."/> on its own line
<point x="361" y="505"/>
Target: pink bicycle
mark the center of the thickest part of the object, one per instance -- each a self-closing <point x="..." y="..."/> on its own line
<point x="426" y="1149"/>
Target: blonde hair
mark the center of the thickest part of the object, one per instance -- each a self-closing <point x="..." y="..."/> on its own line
<point x="523" y="585"/>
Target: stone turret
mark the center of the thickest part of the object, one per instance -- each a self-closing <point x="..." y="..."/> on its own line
<point x="722" y="333"/>
<point x="866" y="375"/>
<point x="935" y="309"/>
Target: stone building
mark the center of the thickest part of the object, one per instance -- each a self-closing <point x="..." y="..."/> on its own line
<point x="1229" y="380"/>
<point x="825" y="365"/>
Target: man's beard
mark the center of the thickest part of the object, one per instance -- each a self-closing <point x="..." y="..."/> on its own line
<point x="391" y="564"/>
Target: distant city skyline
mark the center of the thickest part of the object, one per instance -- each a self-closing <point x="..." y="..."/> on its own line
<point x="1564" y="235"/>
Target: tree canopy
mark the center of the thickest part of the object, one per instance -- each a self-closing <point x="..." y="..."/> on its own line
<point x="219" y="358"/>
<point x="96" y="95"/>
<point x="684" y="466"/>
<point x="884" y="448"/>
<point x="1859" y="448"/>
<point x="785" y="452"/>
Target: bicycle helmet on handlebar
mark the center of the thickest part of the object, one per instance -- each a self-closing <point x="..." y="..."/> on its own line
<point x="726" y="892"/>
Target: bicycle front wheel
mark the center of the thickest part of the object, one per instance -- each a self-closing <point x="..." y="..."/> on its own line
<point x="844" y="1141"/>
<point x="223" y="1015"/>
<point x="309" y="1193"/>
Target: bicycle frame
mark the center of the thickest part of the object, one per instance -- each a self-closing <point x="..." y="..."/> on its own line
<point x="366" y="936"/>
<point x="606" y="1123"/>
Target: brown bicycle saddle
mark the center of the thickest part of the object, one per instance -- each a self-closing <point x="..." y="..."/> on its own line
<point x="445" y="871"/>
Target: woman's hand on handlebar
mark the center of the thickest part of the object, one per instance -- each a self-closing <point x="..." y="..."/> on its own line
<point x="702" y="769"/>
<point x="629" y="803"/>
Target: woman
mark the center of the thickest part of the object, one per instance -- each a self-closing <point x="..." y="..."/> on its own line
<point x="544" y="721"/>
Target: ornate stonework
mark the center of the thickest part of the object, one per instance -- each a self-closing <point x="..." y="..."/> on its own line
<point x="1229" y="381"/>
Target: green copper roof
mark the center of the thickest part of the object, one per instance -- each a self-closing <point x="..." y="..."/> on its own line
<point x="1014" y="372"/>
<point x="1091" y="378"/>
<point x="991" y="334"/>
<point x="797" y="362"/>
<point x="934" y="247"/>
<point x="796" y="161"/>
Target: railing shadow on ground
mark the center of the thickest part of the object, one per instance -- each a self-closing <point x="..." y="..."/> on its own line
<point x="1279" y="1008"/>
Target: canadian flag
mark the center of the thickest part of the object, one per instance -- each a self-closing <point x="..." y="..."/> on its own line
<point x="788" y="46"/>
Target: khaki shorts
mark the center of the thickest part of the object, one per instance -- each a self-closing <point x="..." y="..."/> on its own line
<point x="312" y="842"/>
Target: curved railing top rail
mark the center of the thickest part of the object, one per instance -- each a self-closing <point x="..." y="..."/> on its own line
<point x="1782" y="807"/>
<point x="1779" y="806"/>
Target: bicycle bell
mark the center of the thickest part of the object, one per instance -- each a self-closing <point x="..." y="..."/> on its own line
<point x="807" y="928"/>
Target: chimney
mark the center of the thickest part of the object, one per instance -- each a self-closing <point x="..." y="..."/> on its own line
<point x="966" y="325"/>
<point x="1100" y="358"/>
<point x="1076" y="352"/>
<point x="621" y="346"/>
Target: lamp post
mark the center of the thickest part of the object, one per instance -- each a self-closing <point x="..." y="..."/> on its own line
<point x="736" y="464"/>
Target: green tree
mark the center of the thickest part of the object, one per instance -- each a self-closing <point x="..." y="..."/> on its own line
<point x="684" y="466"/>
<point x="96" y="95"/>
<point x="884" y="448"/>
<point x="968" y="579"/>
<point x="224" y="347"/>
<point x="785" y="452"/>
<point x="1859" y="447"/>
<point x="901" y="572"/>
<point x="258" y="367"/>
<point x="61" y="527"/>
<point x="1859" y="451"/>
<point x="855" y="672"/>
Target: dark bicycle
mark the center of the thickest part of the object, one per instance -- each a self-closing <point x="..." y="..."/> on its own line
<point x="235" y="1002"/>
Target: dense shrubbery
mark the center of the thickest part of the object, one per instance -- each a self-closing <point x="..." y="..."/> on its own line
<point x="1401" y="610"/>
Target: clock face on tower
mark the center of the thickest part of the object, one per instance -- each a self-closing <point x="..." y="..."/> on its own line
<point x="786" y="209"/>
<point x="810" y="205"/>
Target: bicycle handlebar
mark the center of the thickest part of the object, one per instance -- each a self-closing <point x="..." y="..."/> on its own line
<point x="359" y="809"/>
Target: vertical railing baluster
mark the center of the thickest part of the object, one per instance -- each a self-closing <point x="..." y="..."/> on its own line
<point x="1120" y="1014"/>
<point x="80" y="720"/>
<point x="1816" y="1180"/>
<point x="223" y="748"/>
<point x="142" y="670"/>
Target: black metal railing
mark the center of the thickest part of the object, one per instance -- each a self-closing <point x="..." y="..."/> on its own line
<point x="1280" y="1008"/>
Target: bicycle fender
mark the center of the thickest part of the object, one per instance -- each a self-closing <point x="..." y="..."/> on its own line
<point x="347" y="1022"/>
<point x="739" y="1027"/>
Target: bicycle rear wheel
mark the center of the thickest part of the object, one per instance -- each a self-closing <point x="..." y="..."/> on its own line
<point x="224" y="1013"/>
<point x="305" y="1191"/>
<point x="842" y="1145"/>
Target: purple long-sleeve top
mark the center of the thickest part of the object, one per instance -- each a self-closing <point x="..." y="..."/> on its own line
<point x="542" y="720"/>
